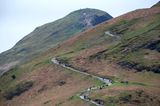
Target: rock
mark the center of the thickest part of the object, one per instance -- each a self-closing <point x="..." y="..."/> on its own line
<point x="99" y="101"/>
<point x="61" y="83"/>
<point x="139" y="67"/>
<point x="154" y="45"/>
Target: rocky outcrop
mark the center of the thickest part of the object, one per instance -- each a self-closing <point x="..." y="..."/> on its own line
<point x="154" y="45"/>
<point x="139" y="67"/>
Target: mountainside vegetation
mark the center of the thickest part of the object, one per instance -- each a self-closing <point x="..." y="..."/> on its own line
<point x="135" y="42"/>
<point x="125" y="49"/>
<point x="49" y="35"/>
<point x="156" y="5"/>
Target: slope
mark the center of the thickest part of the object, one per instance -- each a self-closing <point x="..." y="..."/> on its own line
<point x="135" y="44"/>
<point x="125" y="49"/>
<point x="97" y="51"/>
<point x="156" y="5"/>
<point x="48" y="35"/>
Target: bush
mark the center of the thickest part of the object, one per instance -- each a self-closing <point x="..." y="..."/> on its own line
<point x="13" y="77"/>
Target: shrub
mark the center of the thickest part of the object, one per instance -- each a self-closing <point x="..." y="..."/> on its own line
<point x="13" y="77"/>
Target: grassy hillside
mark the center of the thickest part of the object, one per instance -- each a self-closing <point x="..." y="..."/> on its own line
<point x="156" y="5"/>
<point x="130" y="58"/>
<point x="49" y="35"/>
<point x="136" y="43"/>
<point x="42" y="83"/>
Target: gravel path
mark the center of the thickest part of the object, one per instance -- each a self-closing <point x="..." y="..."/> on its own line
<point x="85" y="94"/>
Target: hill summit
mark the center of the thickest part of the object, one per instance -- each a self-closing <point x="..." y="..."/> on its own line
<point x="50" y="34"/>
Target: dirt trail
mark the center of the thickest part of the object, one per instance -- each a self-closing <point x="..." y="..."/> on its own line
<point x="85" y="94"/>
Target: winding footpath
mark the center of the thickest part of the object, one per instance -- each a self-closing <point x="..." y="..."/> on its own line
<point x="85" y="94"/>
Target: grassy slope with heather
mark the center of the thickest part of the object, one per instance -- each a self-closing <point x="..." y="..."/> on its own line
<point x="49" y="35"/>
<point x="97" y="53"/>
<point x="135" y="47"/>
<point x="136" y="44"/>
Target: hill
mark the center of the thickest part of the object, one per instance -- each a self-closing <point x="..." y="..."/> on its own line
<point x="131" y="41"/>
<point x="124" y="49"/>
<point x="156" y="5"/>
<point x="49" y="35"/>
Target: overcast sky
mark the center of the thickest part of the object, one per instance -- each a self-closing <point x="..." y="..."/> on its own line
<point x="20" y="17"/>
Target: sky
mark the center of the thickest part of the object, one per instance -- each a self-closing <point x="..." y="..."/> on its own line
<point x="20" y="17"/>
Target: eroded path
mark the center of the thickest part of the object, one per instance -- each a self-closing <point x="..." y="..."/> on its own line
<point x="85" y="94"/>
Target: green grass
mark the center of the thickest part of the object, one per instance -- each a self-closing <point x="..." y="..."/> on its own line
<point x="117" y="83"/>
<point x="74" y="98"/>
<point x="44" y="62"/>
<point x="66" y="56"/>
<point x="98" y="82"/>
